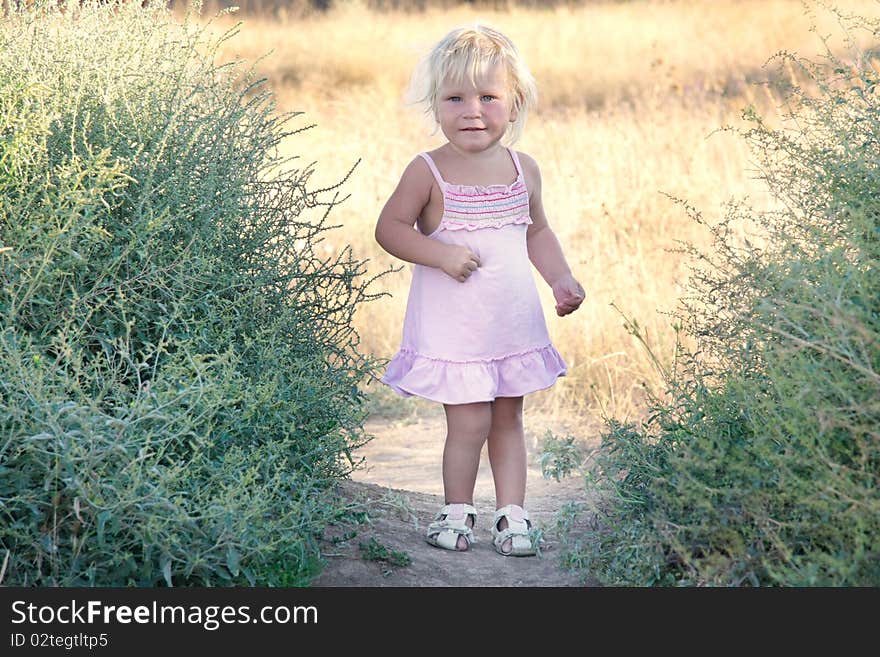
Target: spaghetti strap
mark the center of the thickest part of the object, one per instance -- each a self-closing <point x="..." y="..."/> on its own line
<point x="515" y="158"/>
<point x="434" y="169"/>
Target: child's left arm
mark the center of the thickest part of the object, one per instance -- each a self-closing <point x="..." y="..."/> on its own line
<point x="545" y="251"/>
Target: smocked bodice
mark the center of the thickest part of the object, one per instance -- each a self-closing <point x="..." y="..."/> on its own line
<point x="471" y="207"/>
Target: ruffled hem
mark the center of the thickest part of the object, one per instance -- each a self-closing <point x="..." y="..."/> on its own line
<point x="454" y="224"/>
<point x="464" y="382"/>
<point x="516" y="185"/>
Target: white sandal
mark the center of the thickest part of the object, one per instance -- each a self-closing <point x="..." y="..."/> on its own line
<point x="517" y="531"/>
<point x="450" y="523"/>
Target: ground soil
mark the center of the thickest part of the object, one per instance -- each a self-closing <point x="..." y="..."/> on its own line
<point x="400" y="484"/>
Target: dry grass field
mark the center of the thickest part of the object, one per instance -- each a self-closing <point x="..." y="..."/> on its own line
<point x="631" y="99"/>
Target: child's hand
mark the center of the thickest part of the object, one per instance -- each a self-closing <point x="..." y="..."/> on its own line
<point x="459" y="262"/>
<point x="568" y="294"/>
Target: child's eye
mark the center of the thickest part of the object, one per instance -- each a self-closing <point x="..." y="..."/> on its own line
<point x="454" y="99"/>
<point x="487" y="98"/>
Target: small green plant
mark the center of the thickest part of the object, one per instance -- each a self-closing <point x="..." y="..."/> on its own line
<point x="373" y="550"/>
<point x="560" y="456"/>
<point x="536" y="536"/>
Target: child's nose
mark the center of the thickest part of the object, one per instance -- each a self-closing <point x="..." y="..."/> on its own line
<point x="472" y="107"/>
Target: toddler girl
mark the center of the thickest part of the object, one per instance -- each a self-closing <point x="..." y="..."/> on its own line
<point x="474" y="335"/>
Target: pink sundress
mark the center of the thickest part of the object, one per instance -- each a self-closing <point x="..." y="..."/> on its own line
<point x="484" y="338"/>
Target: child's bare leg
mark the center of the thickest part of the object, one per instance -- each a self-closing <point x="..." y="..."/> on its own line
<point x="507" y="455"/>
<point x="467" y="427"/>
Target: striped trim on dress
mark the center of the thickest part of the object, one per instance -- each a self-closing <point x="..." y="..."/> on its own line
<point x="473" y="207"/>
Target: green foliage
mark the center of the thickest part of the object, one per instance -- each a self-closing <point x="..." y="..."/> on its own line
<point x="760" y="466"/>
<point x="178" y="371"/>
<point x="373" y="550"/>
<point x="559" y="456"/>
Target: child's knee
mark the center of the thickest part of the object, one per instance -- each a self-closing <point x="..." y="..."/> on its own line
<point x="471" y="421"/>
<point x="478" y="427"/>
<point x="507" y="414"/>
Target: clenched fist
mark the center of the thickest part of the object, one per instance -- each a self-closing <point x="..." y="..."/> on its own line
<point x="568" y="294"/>
<point x="459" y="262"/>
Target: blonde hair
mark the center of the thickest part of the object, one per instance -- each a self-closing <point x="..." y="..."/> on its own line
<point x="467" y="52"/>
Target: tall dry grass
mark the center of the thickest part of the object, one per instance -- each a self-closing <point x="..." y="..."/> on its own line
<point x="631" y="98"/>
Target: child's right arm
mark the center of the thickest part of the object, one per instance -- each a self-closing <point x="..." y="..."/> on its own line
<point x="395" y="233"/>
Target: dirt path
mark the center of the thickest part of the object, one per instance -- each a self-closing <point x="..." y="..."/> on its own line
<point x="402" y="487"/>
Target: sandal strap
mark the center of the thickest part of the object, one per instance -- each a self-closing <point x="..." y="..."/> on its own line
<point x="448" y="539"/>
<point x="518" y="542"/>
<point x="513" y="512"/>
<point x="517" y="529"/>
<point x="456" y="510"/>
<point x="447" y="525"/>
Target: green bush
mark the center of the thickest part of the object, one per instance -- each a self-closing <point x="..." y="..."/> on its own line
<point x="178" y="370"/>
<point x="760" y="465"/>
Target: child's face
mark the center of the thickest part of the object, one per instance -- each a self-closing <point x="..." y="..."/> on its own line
<point x="475" y="116"/>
